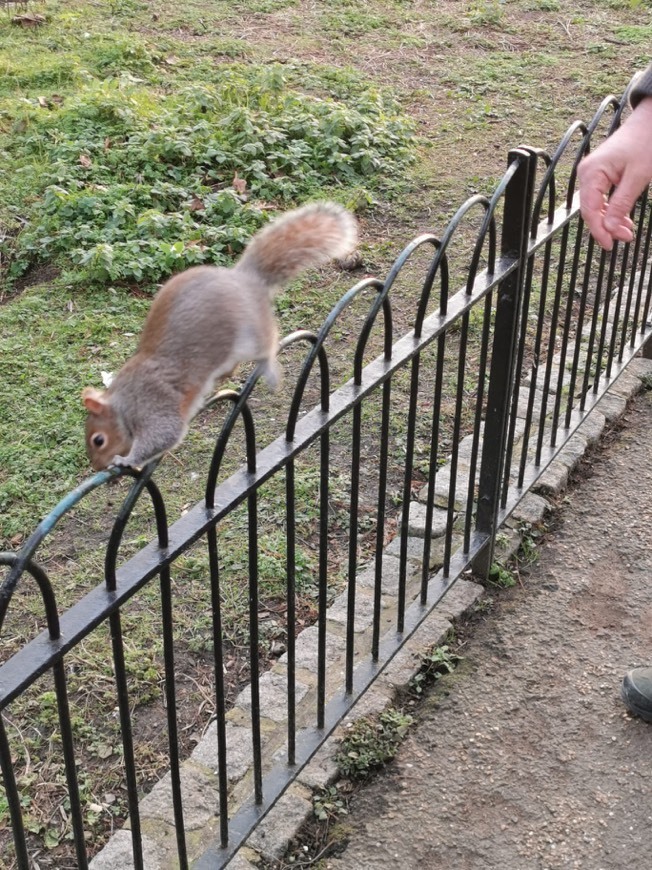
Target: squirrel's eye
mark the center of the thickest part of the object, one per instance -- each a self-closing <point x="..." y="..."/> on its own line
<point x="98" y="440"/>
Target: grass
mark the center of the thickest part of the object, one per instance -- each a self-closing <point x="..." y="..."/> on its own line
<point x="112" y="118"/>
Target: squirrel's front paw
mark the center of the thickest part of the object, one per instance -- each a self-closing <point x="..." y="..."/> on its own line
<point x="122" y="462"/>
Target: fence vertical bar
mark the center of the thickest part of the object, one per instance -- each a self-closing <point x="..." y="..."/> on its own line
<point x="407" y="492"/>
<point x="565" y="336"/>
<point x="353" y="546"/>
<point x="220" y="694"/>
<point x="171" y="712"/>
<point x="514" y="237"/>
<point x="324" y="468"/>
<point x="432" y="465"/>
<point x="594" y="323"/>
<point x="13" y="800"/>
<point x="482" y="365"/>
<point x="254" y="651"/>
<point x="115" y="624"/>
<point x="642" y="271"/>
<point x="380" y="517"/>
<point x="291" y="606"/>
<point x="579" y="327"/>
<point x="648" y="297"/>
<point x="608" y="297"/>
<point x="452" y="487"/>
<point x="68" y="749"/>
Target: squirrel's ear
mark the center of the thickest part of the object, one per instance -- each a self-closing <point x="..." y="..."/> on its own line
<point x="94" y="400"/>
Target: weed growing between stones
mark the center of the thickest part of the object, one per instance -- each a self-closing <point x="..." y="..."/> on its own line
<point x="368" y="744"/>
<point x="435" y="663"/>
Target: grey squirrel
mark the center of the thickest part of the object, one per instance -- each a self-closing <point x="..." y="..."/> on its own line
<point x="202" y="323"/>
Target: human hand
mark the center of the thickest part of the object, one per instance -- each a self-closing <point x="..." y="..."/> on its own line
<point x="623" y="161"/>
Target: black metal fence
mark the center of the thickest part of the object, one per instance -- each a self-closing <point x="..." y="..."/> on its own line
<point x="507" y="359"/>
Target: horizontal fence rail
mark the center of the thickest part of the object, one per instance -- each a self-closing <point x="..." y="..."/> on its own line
<point x="506" y="357"/>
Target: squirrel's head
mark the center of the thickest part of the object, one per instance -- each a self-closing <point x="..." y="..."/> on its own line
<point x="105" y="435"/>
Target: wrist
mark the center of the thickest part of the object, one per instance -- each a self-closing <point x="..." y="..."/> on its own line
<point x="636" y="130"/>
<point x="641" y="86"/>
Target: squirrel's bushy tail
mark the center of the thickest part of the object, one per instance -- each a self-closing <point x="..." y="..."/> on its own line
<point x="298" y="240"/>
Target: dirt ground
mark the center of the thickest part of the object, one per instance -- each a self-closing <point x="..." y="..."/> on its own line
<point x="525" y="757"/>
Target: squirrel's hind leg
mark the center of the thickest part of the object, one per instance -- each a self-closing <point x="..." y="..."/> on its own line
<point x="271" y="372"/>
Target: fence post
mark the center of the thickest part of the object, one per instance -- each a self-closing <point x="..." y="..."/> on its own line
<point x="514" y="240"/>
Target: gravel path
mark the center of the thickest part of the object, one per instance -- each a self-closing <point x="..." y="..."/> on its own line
<point x="525" y="757"/>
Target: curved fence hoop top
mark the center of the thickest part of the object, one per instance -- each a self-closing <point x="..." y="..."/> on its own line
<point x="317" y="350"/>
<point x="381" y="300"/>
<point x="399" y="263"/>
<point x="312" y="338"/>
<point x="22" y="561"/>
<point x="67" y="503"/>
<point x="143" y="481"/>
<point x="608" y="102"/>
<point x="440" y="260"/>
<point x="45" y="588"/>
<point x="240" y="407"/>
<point x="489" y="225"/>
<point x="548" y="181"/>
<point x="623" y="102"/>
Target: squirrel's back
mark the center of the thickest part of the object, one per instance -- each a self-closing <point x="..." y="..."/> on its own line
<point x="209" y="311"/>
<point x="300" y="239"/>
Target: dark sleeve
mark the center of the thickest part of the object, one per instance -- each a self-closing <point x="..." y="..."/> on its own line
<point x="642" y="87"/>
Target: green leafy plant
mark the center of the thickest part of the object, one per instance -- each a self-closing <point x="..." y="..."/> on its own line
<point x="328" y="804"/>
<point x="370" y="744"/>
<point x="130" y="186"/>
<point x="528" y="552"/>
<point x="646" y="380"/>
<point x="435" y="663"/>
<point x="501" y="575"/>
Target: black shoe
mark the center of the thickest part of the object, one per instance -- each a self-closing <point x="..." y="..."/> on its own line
<point x="636" y="692"/>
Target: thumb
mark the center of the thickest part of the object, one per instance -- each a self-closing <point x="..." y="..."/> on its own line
<point x="622" y="201"/>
